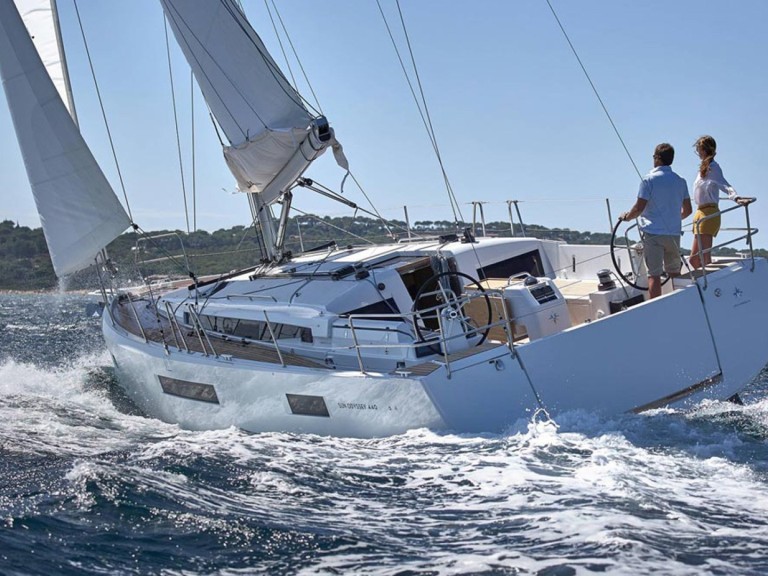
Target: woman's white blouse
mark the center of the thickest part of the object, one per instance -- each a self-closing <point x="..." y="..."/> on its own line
<point x="707" y="190"/>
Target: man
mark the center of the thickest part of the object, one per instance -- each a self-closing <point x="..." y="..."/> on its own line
<point x="662" y="204"/>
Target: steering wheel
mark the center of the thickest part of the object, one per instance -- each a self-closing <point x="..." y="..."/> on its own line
<point x="450" y="298"/>
<point x="630" y="276"/>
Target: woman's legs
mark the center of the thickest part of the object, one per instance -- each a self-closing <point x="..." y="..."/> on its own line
<point x="698" y="260"/>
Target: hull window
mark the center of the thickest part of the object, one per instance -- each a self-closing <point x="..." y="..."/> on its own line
<point x="307" y="405"/>
<point x="190" y="390"/>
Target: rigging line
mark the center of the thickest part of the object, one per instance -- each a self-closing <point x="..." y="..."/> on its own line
<point x="340" y="229"/>
<point x="194" y="175"/>
<point x="277" y="74"/>
<point x="260" y="290"/>
<point x="386" y="223"/>
<point x="176" y="124"/>
<point x="150" y="240"/>
<point x="594" y="89"/>
<point x="213" y="121"/>
<point x="405" y="73"/>
<point x="245" y="233"/>
<point x="178" y="19"/>
<point x="311" y="276"/>
<point x="298" y="60"/>
<point x="236" y="251"/>
<point x="430" y="133"/>
<point x="280" y="42"/>
<point x="373" y="207"/>
<point x="451" y="195"/>
<point x="258" y="233"/>
<point x="103" y="112"/>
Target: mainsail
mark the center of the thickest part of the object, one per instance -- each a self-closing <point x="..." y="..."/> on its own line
<point x="78" y="209"/>
<point x="273" y="138"/>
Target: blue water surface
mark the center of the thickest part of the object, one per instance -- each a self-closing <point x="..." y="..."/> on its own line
<point x="90" y="486"/>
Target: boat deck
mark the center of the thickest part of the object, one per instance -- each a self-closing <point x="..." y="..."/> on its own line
<point x="156" y="328"/>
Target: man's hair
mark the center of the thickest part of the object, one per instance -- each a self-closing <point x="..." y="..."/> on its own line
<point x="665" y="153"/>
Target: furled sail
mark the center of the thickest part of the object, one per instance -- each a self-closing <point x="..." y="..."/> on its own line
<point x="42" y="22"/>
<point x="79" y="211"/>
<point x="273" y="137"/>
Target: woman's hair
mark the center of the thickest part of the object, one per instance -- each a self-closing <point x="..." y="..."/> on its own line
<point x="708" y="146"/>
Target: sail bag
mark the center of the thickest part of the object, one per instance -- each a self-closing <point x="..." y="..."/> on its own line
<point x="272" y="136"/>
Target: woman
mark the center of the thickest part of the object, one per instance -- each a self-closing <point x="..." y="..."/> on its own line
<point x="706" y="195"/>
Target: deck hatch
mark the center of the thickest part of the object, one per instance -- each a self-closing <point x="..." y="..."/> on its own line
<point x="307" y="405"/>
<point x="190" y="390"/>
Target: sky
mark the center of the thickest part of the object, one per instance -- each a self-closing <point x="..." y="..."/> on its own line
<point x="514" y="116"/>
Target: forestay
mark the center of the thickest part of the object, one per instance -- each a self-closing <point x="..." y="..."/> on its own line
<point x="273" y="138"/>
<point x="78" y="209"/>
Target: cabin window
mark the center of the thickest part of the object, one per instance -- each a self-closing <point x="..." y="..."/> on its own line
<point x="254" y="329"/>
<point x="388" y="306"/>
<point x="529" y="262"/>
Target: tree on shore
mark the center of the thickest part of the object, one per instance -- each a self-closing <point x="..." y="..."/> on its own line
<point x="26" y="265"/>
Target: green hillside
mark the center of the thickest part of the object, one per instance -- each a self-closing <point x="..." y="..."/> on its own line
<point x="25" y="264"/>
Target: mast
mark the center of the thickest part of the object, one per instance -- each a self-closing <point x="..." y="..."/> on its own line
<point x="41" y="19"/>
<point x="64" y="68"/>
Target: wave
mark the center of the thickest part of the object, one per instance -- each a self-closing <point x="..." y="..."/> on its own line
<point x="669" y="491"/>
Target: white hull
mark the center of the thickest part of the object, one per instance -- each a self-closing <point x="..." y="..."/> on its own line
<point x="658" y="353"/>
<point x="375" y="340"/>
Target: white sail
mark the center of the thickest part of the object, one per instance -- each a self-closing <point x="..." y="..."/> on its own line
<point x="41" y="20"/>
<point x="78" y="209"/>
<point x="272" y="136"/>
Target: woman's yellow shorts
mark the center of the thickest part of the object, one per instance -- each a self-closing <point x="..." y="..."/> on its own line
<point x="710" y="226"/>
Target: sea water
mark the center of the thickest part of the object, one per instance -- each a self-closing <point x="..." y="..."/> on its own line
<point x="90" y="486"/>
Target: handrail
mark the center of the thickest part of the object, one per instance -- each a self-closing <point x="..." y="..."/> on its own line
<point x="475" y="205"/>
<point x="201" y="331"/>
<point x="140" y="262"/>
<point x="208" y="348"/>
<point x="172" y="321"/>
<point x="274" y="340"/>
<point x="357" y="345"/>
<point x="136" y="316"/>
<point x="101" y="261"/>
<point x="441" y="339"/>
<point x="748" y="236"/>
<point x="444" y="347"/>
<point x="251" y="297"/>
<point x="519" y="217"/>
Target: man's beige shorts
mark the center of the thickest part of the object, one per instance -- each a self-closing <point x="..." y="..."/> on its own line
<point x="662" y="253"/>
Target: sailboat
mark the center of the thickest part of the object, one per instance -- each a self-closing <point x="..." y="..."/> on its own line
<point x="460" y="332"/>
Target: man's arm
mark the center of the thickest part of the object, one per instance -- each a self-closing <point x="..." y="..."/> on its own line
<point x="686" y="210"/>
<point x="637" y="209"/>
